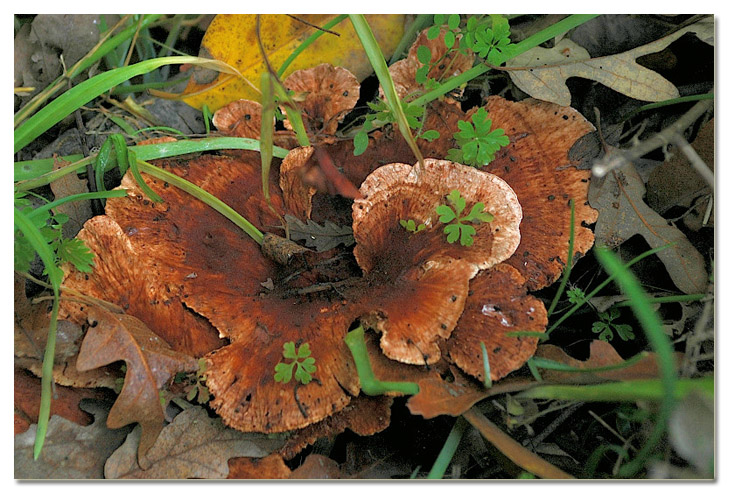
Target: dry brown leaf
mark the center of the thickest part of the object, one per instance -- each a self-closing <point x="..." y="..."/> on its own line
<point x="70" y="451"/>
<point x="65" y="403"/>
<point x="194" y="445"/>
<point x="619" y="72"/>
<point x="150" y="363"/>
<point x="602" y="354"/>
<point x="677" y="183"/>
<point x="623" y="214"/>
<point x="78" y="211"/>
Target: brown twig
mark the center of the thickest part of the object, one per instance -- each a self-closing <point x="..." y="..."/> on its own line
<point x="618" y="159"/>
<point x="299" y="19"/>
<point x="513" y="450"/>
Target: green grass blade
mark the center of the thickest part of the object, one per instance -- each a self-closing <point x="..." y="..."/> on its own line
<point x="375" y="55"/>
<point x="36" y="173"/>
<point x="55" y="276"/>
<point x="659" y="341"/>
<point x="117" y="193"/>
<point x="205" y="197"/>
<point x="628" y="391"/>
<point x="86" y="91"/>
<point x="369" y="384"/>
<point x="96" y="54"/>
<point x="448" y="450"/>
<point x="549" y="364"/>
<point x="305" y="44"/>
<point x="267" y="131"/>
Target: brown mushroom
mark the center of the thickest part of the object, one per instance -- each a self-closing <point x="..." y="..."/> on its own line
<point x="325" y="94"/>
<point x="447" y="64"/>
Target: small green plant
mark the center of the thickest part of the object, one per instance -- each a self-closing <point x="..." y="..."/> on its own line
<point x="606" y="326"/>
<point x="50" y="226"/>
<point x="381" y="112"/>
<point x="478" y="142"/>
<point x="576" y="295"/>
<point x="459" y="230"/>
<point x="301" y="360"/>
<point x="411" y="226"/>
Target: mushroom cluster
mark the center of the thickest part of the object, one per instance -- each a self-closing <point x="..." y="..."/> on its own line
<point x="428" y="299"/>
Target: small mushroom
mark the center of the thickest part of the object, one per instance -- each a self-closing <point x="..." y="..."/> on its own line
<point x="325" y="95"/>
<point x="446" y="64"/>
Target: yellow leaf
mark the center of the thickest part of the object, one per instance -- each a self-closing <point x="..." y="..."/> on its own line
<point x="232" y="39"/>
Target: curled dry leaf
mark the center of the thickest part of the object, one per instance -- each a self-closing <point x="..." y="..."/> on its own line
<point x="314" y="467"/>
<point x="150" y="363"/>
<point x="78" y="211"/>
<point x="194" y="445"/>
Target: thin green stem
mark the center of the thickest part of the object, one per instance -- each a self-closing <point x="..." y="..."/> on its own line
<point x="666" y="299"/>
<point x="369" y="384"/>
<point x="659" y="341"/>
<point x="569" y="262"/>
<point x="448" y="450"/>
<point x="205" y="197"/>
<point x="420" y="22"/>
<point x="549" y="364"/>
<point x="673" y="101"/>
<point x="601" y="286"/>
<point x="117" y="193"/>
<point x="375" y="55"/>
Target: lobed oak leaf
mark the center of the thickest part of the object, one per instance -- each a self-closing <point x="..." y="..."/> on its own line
<point x="70" y="451"/>
<point x="150" y="363"/>
<point x="194" y="445"/>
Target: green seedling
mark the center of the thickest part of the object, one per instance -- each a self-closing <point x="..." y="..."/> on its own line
<point x="411" y="226"/>
<point x="459" y="230"/>
<point x="477" y="141"/>
<point x="576" y="295"/>
<point x="301" y="367"/>
<point x="605" y="327"/>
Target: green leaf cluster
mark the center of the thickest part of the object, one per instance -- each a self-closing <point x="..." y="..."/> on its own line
<point x="50" y="226"/>
<point x="410" y="226"/>
<point x="576" y="295"/>
<point x="606" y="326"/>
<point x="301" y="366"/>
<point x="459" y="230"/>
<point x="381" y="112"/>
<point x="488" y="38"/>
<point x="477" y="141"/>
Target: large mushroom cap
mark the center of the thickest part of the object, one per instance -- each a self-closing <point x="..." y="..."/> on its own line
<point x="419" y="281"/>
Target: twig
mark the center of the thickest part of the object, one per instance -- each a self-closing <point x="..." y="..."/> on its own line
<point x="608" y="427"/>
<point x="299" y="19"/>
<point x="518" y="454"/>
<point x="618" y="159"/>
<point x="554" y="425"/>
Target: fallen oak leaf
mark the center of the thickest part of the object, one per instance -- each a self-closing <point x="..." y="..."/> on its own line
<point x="194" y="445"/>
<point x="620" y="72"/>
<point x="623" y="213"/>
<point x="70" y="451"/>
<point x="602" y="354"/>
<point x="150" y="363"/>
<point x="321" y="237"/>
